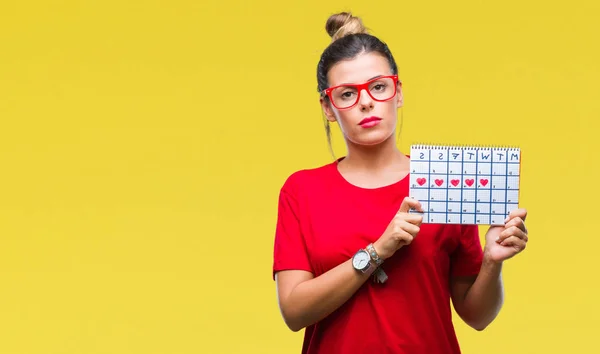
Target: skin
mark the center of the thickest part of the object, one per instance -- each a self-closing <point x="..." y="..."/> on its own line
<point x="373" y="161"/>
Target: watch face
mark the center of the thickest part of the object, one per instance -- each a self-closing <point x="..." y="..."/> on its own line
<point x="361" y="260"/>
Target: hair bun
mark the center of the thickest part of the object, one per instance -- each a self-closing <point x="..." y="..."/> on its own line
<point x="343" y="24"/>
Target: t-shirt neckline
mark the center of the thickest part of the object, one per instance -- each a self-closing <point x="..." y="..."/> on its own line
<point x="339" y="176"/>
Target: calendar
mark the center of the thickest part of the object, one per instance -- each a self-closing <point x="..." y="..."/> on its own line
<point x="465" y="185"/>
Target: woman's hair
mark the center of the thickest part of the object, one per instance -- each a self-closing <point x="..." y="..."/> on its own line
<point x="349" y="38"/>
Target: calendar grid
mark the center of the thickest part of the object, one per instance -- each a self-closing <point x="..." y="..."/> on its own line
<point x="476" y="181"/>
<point x="506" y="212"/>
<point x="462" y="186"/>
<point x="428" y="180"/>
<point x="473" y="185"/>
<point x="447" y="180"/>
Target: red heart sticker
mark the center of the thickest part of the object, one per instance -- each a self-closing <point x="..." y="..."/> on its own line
<point x="469" y="182"/>
<point x="421" y="181"/>
<point x="483" y="182"/>
<point x="455" y="182"/>
<point x="439" y="182"/>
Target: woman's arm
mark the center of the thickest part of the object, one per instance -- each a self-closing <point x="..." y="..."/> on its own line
<point x="305" y="300"/>
<point x="478" y="300"/>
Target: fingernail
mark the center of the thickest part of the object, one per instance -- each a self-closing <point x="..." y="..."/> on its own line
<point x="497" y="238"/>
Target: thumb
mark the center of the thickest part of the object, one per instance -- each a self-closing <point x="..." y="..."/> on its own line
<point x="410" y="203"/>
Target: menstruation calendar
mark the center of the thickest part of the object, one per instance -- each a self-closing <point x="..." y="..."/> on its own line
<point x="465" y="185"/>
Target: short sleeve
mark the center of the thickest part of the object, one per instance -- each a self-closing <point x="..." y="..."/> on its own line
<point x="467" y="258"/>
<point x="290" y="246"/>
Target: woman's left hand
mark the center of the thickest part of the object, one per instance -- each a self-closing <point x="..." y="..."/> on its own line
<point x="504" y="242"/>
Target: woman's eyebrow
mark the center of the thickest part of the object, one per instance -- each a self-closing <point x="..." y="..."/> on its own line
<point x="374" y="77"/>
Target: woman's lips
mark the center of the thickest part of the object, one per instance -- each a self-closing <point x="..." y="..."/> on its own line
<point x="369" y="122"/>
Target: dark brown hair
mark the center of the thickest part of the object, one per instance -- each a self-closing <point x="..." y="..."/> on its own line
<point x="349" y="38"/>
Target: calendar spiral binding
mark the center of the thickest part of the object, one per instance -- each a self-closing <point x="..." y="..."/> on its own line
<point x="427" y="146"/>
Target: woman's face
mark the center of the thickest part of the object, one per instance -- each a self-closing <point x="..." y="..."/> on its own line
<point x="352" y="121"/>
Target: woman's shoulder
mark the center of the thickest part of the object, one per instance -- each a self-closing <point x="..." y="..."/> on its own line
<point x="312" y="176"/>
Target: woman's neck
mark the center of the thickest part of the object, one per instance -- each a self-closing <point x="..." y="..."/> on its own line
<point x="374" y="166"/>
<point x="375" y="159"/>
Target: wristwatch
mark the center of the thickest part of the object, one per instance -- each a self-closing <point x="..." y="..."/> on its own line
<point x="361" y="261"/>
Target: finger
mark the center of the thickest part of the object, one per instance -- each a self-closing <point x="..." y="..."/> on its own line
<point x="518" y="222"/>
<point x="410" y="203"/>
<point x="512" y="231"/>
<point x="522" y="213"/>
<point x="414" y="219"/>
<point x="410" y="228"/>
<point x="402" y="236"/>
<point x="515" y="242"/>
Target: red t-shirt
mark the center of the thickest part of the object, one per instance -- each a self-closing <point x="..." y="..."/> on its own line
<point x="323" y="220"/>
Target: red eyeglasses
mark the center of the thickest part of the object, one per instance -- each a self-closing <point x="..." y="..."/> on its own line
<point x="380" y="89"/>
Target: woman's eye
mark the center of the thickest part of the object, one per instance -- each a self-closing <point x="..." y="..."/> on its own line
<point x="347" y="94"/>
<point x="379" y="87"/>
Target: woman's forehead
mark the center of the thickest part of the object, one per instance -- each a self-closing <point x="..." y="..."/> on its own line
<point x="359" y="69"/>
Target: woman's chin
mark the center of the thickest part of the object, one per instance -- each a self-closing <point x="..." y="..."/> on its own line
<point x="372" y="139"/>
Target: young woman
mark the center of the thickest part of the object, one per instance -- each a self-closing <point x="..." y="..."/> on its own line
<point x="329" y="216"/>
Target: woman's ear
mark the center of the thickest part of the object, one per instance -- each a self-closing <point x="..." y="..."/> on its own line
<point x="327" y="110"/>
<point x="400" y="96"/>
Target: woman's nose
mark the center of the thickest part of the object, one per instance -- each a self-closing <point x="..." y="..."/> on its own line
<point x="365" y="100"/>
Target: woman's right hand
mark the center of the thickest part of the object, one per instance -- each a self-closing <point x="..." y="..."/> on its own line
<point x="402" y="229"/>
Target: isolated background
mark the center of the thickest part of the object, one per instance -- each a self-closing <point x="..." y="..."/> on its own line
<point x="143" y="145"/>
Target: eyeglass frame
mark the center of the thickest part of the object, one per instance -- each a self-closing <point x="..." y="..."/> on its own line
<point x="363" y="86"/>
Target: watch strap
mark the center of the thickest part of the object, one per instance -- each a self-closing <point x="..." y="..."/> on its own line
<point x="373" y="253"/>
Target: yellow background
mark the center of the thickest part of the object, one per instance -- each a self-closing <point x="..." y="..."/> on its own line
<point x="143" y="145"/>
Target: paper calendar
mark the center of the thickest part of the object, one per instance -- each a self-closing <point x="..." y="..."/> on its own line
<point x="465" y="185"/>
